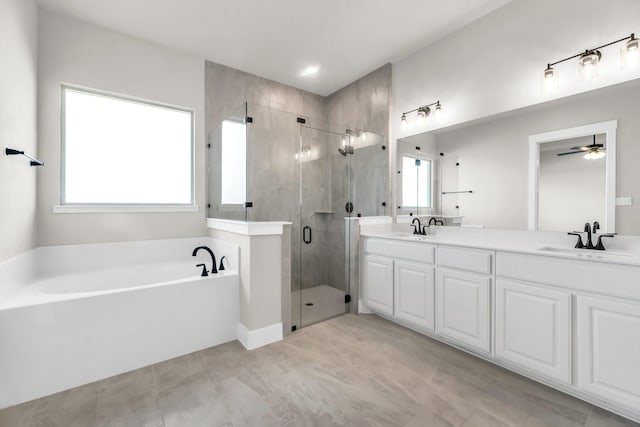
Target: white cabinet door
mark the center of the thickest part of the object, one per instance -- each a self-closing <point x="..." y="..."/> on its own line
<point x="414" y="293"/>
<point x="533" y="328"/>
<point x="378" y="284"/>
<point x="609" y="349"/>
<point x="463" y="307"/>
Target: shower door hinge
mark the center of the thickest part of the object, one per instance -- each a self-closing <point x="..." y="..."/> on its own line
<point x="347" y="299"/>
<point x="248" y="204"/>
<point x="249" y="119"/>
<point x="301" y="120"/>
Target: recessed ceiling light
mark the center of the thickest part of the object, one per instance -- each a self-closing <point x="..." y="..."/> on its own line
<point x="311" y="70"/>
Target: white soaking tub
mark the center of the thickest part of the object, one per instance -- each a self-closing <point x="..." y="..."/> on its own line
<point x="77" y="314"/>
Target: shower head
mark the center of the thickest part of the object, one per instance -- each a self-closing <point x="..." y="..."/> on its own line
<point x="347" y="149"/>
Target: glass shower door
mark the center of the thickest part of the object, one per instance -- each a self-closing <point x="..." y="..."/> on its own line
<point x="321" y="283"/>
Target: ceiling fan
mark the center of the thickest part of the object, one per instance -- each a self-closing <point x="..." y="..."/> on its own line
<point x="591" y="152"/>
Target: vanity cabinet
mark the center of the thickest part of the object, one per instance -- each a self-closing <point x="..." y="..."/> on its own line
<point x="398" y="281"/>
<point x="414" y="293"/>
<point x="463" y="296"/>
<point x="378" y="276"/>
<point x="533" y="328"/>
<point x="463" y="307"/>
<point x="573" y="324"/>
<point x="608" y="348"/>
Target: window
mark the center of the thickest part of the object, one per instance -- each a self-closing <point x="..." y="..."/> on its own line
<point x="416" y="182"/>
<point x="233" y="177"/>
<point x="120" y="151"/>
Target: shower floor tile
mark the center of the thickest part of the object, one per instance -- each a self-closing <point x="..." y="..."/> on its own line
<point x="327" y="302"/>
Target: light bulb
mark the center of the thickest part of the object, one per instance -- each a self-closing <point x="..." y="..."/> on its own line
<point x="550" y="80"/>
<point x="589" y="64"/>
<point x="403" y="121"/>
<point x="630" y="52"/>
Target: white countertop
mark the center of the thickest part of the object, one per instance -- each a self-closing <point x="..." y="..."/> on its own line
<point x="555" y="245"/>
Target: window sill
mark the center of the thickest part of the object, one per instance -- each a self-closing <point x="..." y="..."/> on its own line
<point x="123" y="208"/>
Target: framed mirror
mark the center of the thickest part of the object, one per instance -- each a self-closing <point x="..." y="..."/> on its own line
<point x="572" y="177"/>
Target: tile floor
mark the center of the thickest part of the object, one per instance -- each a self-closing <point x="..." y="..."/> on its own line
<point x="352" y="370"/>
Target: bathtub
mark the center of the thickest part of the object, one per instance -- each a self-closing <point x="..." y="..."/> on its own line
<point x="71" y="315"/>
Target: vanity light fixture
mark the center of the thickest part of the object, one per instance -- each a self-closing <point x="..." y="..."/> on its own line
<point x="422" y="112"/>
<point x="589" y="60"/>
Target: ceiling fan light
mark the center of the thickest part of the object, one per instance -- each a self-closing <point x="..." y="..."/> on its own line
<point x="594" y="155"/>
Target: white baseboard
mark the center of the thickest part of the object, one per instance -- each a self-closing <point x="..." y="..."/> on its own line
<point x="259" y="337"/>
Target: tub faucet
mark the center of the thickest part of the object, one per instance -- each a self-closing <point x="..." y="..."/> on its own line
<point x="214" y="270"/>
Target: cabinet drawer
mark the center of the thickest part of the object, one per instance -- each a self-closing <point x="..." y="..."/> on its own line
<point x="475" y="260"/>
<point x="591" y="276"/>
<point x="420" y="252"/>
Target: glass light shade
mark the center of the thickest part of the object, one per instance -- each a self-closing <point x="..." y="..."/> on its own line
<point x="594" y="155"/>
<point x="438" y="112"/>
<point x="550" y="80"/>
<point x="403" y="121"/>
<point x="630" y="53"/>
<point x="589" y="65"/>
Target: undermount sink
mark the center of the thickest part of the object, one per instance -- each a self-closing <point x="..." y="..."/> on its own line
<point x="586" y="253"/>
<point x="408" y="235"/>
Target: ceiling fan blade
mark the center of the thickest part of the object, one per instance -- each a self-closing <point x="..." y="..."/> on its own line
<point x="582" y="148"/>
<point x="570" y="152"/>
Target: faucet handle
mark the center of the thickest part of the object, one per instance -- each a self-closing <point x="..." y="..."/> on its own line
<point x="221" y="268"/>
<point x="204" y="270"/>
<point x="596" y="226"/>
<point x="600" y="246"/>
<point x="579" y="244"/>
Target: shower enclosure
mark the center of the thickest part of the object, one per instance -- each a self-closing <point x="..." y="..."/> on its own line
<point x="271" y="165"/>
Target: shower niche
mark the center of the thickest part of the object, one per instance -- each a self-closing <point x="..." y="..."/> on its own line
<point x="266" y="164"/>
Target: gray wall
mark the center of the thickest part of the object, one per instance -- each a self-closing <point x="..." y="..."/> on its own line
<point x="18" y="56"/>
<point x="82" y="54"/>
<point x="494" y="155"/>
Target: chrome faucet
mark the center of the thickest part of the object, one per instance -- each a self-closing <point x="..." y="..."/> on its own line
<point x="214" y="270"/>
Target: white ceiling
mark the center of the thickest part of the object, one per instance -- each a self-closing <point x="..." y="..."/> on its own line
<point x="277" y="39"/>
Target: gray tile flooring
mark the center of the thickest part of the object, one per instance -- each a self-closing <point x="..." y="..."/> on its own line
<point x="348" y="371"/>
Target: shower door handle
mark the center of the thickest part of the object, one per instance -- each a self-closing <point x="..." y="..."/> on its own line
<point x="305" y="238"/>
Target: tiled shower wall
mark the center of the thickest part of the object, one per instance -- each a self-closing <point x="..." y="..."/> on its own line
<point x="274" y="135"/>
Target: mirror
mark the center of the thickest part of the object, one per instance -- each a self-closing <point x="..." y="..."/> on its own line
<point x="572" y="176"/>
<point x="427" y="183"/>
<point x="491" y="186"/>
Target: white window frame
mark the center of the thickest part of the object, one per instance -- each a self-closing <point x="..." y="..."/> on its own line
<point x="64" y="207"/>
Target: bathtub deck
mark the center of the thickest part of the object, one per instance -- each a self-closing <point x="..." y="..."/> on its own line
<point x="353" y="370"/>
